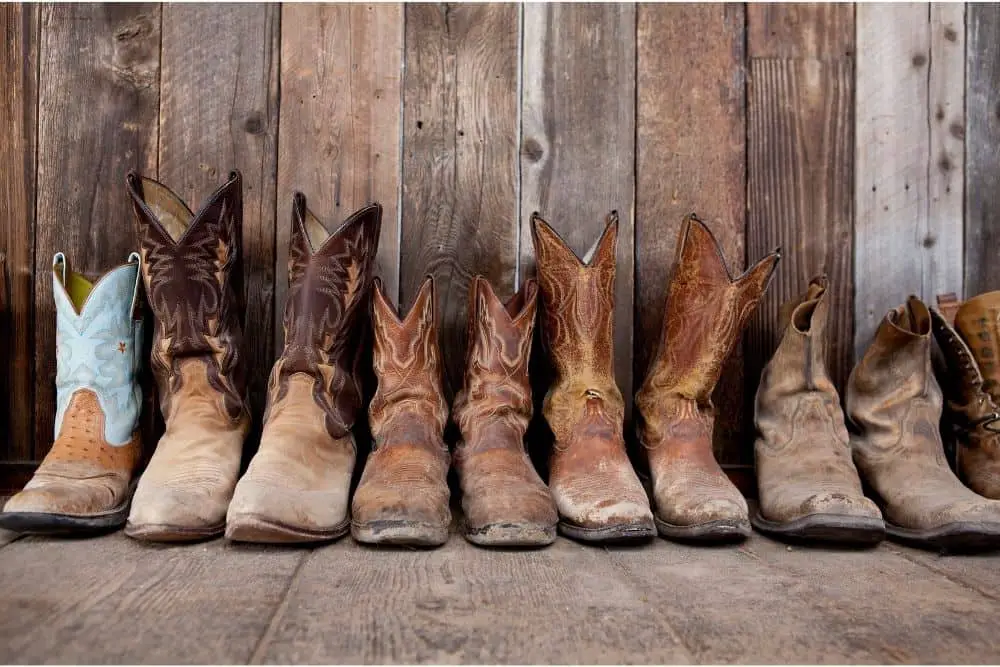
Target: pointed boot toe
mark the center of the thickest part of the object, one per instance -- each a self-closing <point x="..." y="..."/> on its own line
<point x="55" y="505"/>
<point x="712" y="519"/>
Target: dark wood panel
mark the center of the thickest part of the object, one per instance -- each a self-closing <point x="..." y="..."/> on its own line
<point x="98" y="102"/>
<point x="18" y="108"/>
<point x="691" y="158"/>
<point x="800" y="30"/>
<point x="460" y="212"/>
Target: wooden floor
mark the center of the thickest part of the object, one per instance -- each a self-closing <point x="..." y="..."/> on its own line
<point x="112" y="599"/>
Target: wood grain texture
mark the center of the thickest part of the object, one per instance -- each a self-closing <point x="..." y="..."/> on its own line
<point x="460" y="212"/>
<point x="341" y="67"/>
<point x="690" y="158"/>
<point x="98" y="102"/>
<point x="578" y="140"/>
<point x="218" y="112"/>
<point x="982" y="136"/>
<point x="800" y="30"/>
<point x="18" y="128"/>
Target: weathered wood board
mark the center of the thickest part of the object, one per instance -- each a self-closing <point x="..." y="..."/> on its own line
<point x="822" y="30"/>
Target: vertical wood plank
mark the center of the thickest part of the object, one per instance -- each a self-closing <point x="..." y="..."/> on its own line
<point x="578" y="139"/>
<point x="982" y="136"/>
<point x="690" y="158"/>
<point x="800" y="30"/>
<point x="18" y="109"/>
<point x="97" y="118"/>
<point x="339" y="142"/>
<point x="218" y="112"/>
<point x="460" y="212"/>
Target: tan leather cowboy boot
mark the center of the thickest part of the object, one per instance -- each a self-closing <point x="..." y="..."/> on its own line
<point x="296" y="488"/>
<point x="705" y="315"/>
<point x="191" y="268"/>
<point x="894" y="408"/>
<point x="597" y="492"/>
<point x="403" y="494"/>
<point x="504" y="500"/>
<point x="807" y="483"/>
<point x="971" y="385"/>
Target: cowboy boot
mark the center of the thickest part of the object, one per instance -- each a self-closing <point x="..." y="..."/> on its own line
<point x="705" y="315"/>
<point x="894" y="411"/>
<point x="191" y="269"/>
<point x="807" y="483"/>
<point x="403" y="495"/>
<point x="85" y="481"/>
<point x="296" y="487"/>
<point x="597" y="493"/>
<point x="504" y="500"/>
<point x="971" y="386"/>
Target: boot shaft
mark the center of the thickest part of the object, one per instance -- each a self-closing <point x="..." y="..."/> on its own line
<point x="978" y="323"/>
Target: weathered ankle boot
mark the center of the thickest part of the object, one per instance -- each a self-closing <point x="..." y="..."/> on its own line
<point x="296" y="488"/>
<point x="807" y="483"/>
<point x="894" y="412"/>
<point x="504" y="500"/>
<point x="191" y="268"/>
<point x="705" y="314"/>
<point x="598" y="494"/>
<point x="85" y="481"/>
<point x="971" y="385"/>
<point x="403" y="495"/>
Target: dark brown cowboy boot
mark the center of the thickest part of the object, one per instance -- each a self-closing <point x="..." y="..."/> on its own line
<point x="505" y="502"/>
<point x="403" y="494"/>
<point x="597" y="492"/>
<point x="706" y="312"/>
<point x="894" y="408"/>
<point x="296" y="488"/>
<point x="807" y="483"/>
<point x="970" y="342"/>
<point x="191" y="268"/>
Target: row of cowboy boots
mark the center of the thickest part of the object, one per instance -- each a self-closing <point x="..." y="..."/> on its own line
<point x="808" y="460"/>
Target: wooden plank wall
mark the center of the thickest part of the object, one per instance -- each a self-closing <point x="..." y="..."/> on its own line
<point x="861" y="139"/>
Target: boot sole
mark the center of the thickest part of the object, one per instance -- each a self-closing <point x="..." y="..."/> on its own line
<point x="400" y="533"/>
<point x="722" y="531"/>
<point x="257" y="529"/>
<point x="625" y="532"/>
<point x="43" y="523"/>
<point x="832" y="528"/>
<point x="511" y="535"/>
<point x="160" y="532"/>
<point x="961" y="536"/>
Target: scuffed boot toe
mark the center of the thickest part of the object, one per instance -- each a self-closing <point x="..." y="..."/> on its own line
<point x="400" y="517"/>
<point x="265" y="512"/>
<point x="66" y="506"/>
<point x="711" y="520"/>
<point x="164" y="514"/>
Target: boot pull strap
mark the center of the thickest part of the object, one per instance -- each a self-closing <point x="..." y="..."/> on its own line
<point x="59" y="264"/>
<point x="134" y="258"/>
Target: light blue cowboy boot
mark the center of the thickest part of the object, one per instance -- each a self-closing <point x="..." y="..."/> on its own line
<point x="84" y="483"/>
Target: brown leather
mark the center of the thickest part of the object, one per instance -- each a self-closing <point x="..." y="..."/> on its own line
<point x="597" y="492"/>
<point x="803" y="451"/>
<point x="505" y="502"/>
<point x="403" y="494"/>
<point x="192" y="272"/>
<point x="296" y="487"/>
<point x="705" y="315"/>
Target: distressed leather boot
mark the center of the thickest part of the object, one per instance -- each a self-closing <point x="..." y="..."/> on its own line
<point x="296" y="487"/>
<point x="971" y="386"/>
<point x="402" y="498"/>
<point x="505" y="502"/>
<point x="597" y="493"/>
<point x="85" y="481"/>
<point x="192" y="271"/>
<point x="894" y="412"/>
<point x="705" y="315"/>
<point x="808" y="486"/>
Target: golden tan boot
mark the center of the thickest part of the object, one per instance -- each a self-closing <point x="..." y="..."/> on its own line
<point x="504" y="500"/>
<point x="191" y="268"/>
<point x="84" y="483"/>
<point x="598" y="494"/>
<point x="705" y="315"/>
<point x="403" y="494"/>
<point x="296" y="488"/>
<point x="894" y="408"/>
<point x="807" y="483"/>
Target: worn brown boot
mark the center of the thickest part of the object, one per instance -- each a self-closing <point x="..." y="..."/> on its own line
<point x="971" y="385"/>
<point x="504" y="500"/>
<point x="296" y="488"/>
<point x="598" y="494"/>
<point x="403" y="495"/>
<point x="706" y="312"/>
<point x="808" y="486"/>
<point x="894" y="408"/>
<point x="191" y="268"/>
